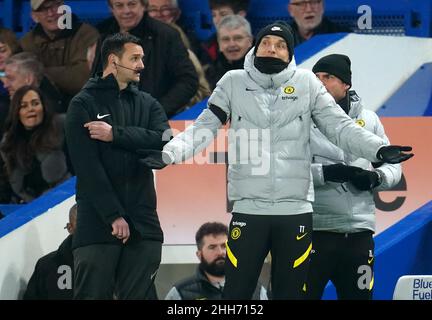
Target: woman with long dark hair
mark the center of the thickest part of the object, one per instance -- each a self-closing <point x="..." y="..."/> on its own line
<point x="32" y="145"/>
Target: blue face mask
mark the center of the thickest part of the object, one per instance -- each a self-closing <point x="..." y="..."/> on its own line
<point x="270" y="65"/>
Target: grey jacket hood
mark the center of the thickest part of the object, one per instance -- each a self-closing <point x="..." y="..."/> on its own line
<point x="268" y="81"/>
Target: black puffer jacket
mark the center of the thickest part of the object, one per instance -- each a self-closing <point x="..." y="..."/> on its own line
<point x="168" y="74"/>
<point x="111" y="183"/>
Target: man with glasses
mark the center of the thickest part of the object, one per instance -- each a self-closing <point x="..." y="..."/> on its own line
<point x="164" y="10"/>
<point x="309" y="20"/>
<point x="235" y="39"/>
<point x="61" y="51"/>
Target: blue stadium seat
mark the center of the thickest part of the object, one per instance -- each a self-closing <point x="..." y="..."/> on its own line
<point x="196" y="15"/>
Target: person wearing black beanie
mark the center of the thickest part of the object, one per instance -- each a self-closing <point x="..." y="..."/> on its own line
<point x="270" y="106"/>
<point x="344" y="225"/>
<point x="269" y="58"/>
<point x="334" y="71"/>
<point x="338" y="65"/>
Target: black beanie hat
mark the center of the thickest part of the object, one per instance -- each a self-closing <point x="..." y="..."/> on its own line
<point x="338" y="65"/>
<point x="278" y="28"/>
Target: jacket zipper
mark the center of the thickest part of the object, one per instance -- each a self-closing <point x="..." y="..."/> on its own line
<point x="125" y="155"/>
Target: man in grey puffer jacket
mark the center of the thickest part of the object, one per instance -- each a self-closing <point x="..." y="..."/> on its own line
<point x="344" y="208"/>
<point x="271" y="105"/>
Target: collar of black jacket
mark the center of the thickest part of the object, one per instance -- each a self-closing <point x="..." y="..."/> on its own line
<point x="233" y="65"/>
<point x="345" y="103"/>
<point x="65" y="33"/>
<point x="109" y="83"/>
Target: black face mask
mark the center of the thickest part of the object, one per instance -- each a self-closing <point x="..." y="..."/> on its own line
<point x="269" y="65"/>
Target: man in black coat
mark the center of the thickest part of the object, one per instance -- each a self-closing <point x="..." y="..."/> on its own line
<point x="52" y="277"/>
<point x="169" y="75"/>
<point x="118" y="239"/>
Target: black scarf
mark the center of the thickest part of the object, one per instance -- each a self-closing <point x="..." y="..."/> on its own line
<point x="269" y="65"/>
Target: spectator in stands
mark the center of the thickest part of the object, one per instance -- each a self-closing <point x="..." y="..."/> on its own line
<point x="235" y="39"/>
<point x="309" y="20"/>
<point x="219" y="9"/>
<point x="271" y="105"/>
<point x="25" y="69"/>
<point x="344" y="209"/>
<point x="169" y="74"/>
<point x="9" y="45"/>
<point x="32" y="145"/>
<point x="118" y="239"/>
<point x="52" y="278"/>
<point x="168" y="12"/>
<point x="209" y="279"/>
<point x="62" y="51"/>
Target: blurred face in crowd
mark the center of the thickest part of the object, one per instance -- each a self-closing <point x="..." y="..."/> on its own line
<point x="212" y="254"/>
<point x="163" y="10"/>
<point x="273" y="46"/>
<point x="334" y="85"/>
<point x="132" y="58"/>
<point x="306" y="13"/>
<point x="5" y="52"/>
<point x="31" y="111"/>
<point x="220" y="12"/>
<point x="128" y="13"/>
<point x="48" y="16"/>
<point x="14" y="79"/>
<point x="234" y="43"/>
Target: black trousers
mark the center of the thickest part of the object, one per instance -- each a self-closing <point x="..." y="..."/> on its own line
<point x="345" y="259"/>
<point x="126" y="271"/>
<point x="251" y="238"/>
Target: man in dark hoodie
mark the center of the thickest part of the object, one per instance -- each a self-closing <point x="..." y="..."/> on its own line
<point x="169" y="74"/>
<point x="52" y="277"/>
<point x="118" y="239"/>
<point x="235" y="39"/>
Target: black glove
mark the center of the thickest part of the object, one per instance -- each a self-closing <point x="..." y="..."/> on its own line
<point x="154" y="159"/>
<point x="394" y="154"/>
<point x="365" y="180"/>
<point x="339" y="172"/>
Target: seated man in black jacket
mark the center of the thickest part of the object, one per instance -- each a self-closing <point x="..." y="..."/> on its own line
<point x="52" y="277"/>
<point x="169" y="75"/>
<point x="309" y="20"/>
<point x="209" y="279"/>
<point x="118" y="240"/>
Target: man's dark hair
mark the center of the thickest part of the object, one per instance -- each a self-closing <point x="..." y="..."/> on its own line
<point x="115" y="44"/>
<point x="213" y="228"/>
<point x="235" y="5"/>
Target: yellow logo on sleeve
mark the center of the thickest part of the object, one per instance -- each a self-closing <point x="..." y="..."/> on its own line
<point x="361" y="122"/>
